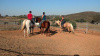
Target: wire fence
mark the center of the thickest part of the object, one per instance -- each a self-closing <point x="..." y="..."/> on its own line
<point x="10" y="25"/>
<point x="88" y="27"/>
<point x="16" y="25"/>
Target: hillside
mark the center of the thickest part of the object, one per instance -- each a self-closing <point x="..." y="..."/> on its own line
<point x="88" y="16"/>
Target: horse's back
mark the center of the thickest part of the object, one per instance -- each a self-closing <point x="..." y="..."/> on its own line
<point x="27" y="22"/>
<point x="67" y="24"/>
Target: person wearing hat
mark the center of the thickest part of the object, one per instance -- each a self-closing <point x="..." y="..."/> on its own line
<point x="43" y="19"/>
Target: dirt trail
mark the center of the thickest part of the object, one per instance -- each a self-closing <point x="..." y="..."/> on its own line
<point x="64" y="43"/>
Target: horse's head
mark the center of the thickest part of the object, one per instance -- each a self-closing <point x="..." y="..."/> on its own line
<point x="38" y="19"/>
<point x="58" y="22"/>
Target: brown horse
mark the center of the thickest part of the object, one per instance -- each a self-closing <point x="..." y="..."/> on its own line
<point x="45" y="24"/>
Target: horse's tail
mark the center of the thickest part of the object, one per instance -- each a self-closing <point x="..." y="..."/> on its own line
<point x="23" y="25"/>
<point x="48" y="27"/>
<point x="71" y="28"/>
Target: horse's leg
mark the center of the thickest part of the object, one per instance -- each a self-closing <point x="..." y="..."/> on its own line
<point x="41" y="30"/>
<point x="69" y="29"/>
<point x="24" y="32"/>
<point x="28" y="31"/>
<point x="48" y="32"/>
<point x="61" y="30"/>
<point x="32" y="30"/>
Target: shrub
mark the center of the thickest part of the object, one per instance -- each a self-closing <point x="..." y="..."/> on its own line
<point x="80" y="20"/>
<point x="67" y="20"/>
<point x="96" y="18"/>
<point x="20" y="21"/>
<point x="74" y="24"/>
<point x="57" y="18"/>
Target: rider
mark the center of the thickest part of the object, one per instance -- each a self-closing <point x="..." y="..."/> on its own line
<point x="30" y="17"/>
<point x="43" y="19"/>
<point x="62" y="21"/>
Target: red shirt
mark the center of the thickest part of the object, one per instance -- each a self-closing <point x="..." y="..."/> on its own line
<point x="29" y="16"/>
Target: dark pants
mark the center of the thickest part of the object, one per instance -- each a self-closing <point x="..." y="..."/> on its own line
<point x="41" y="23"/>
<point x="33" y="21"/>
<point x="63" y="21"/>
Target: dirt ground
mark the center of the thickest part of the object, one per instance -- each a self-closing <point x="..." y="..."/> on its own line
<point x="58" y="44"/>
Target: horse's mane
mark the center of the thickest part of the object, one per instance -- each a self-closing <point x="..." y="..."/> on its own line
<point x="38" y="19"/>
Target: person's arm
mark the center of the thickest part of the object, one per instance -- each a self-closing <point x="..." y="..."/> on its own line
<point x="42" y="16"/>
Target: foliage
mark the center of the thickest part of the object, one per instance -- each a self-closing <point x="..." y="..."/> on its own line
<point x="74" y="24"/>
<point x="96" y="18"/>
<point x="6" y="15"/>
<point x="80" y="20"/>
<point x="57" y="18"/>
<point x="67" y="20"/>
<point x="20" y="21"/>
<point x="22" y="16"/>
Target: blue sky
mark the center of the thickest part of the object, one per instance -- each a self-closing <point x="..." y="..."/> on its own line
<point x="50" y="7"/>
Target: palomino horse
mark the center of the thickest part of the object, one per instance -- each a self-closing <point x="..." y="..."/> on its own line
<point x="66" y="25"/>
<point x="45" y="24"/>
<point x="27" y="24"/>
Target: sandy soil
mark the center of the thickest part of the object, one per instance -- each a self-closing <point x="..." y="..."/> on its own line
<point x="58" y="44"/>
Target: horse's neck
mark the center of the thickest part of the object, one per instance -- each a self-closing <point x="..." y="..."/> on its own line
<point x="59" y="24"/>
<point x="40" y="21"/>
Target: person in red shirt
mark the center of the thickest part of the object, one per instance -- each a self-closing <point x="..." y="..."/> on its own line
<point x="30" y="17"/>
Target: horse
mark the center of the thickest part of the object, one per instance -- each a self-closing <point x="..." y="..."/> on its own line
<point x="45" y="24"/>
<point x="66" y="25"/>
<point x="27" y="25"/>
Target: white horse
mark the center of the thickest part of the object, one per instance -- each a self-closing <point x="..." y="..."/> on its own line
<point x="27" y="25"/>
<point x="66" y="25"/>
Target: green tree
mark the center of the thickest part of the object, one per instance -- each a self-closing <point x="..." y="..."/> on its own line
<point x="6" y="15"/>
<point x="80" y="20"/>
<point x="96" y="18"/>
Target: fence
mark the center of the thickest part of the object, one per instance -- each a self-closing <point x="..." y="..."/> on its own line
<point x="10" y="24"/>
<point x="88" y="27"/>
<point x="16" y="25"/>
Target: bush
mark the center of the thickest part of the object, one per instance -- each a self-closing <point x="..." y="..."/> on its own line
<point x="74" y="24"/>
<point x="96" y="18"/>
<point x="20" y="21"/>
<point x="57" y="18"/>
<point x="67" y="20"/>
<point x="80" y="20"/>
